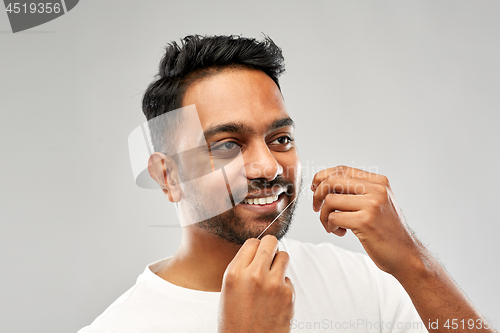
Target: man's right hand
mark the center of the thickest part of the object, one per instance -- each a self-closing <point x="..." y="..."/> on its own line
<point x="256" y="296"/>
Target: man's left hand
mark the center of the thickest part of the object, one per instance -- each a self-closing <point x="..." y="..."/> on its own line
<point x="349" y="198"/>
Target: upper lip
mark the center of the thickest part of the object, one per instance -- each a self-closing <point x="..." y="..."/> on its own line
<point x="264" y="194"/>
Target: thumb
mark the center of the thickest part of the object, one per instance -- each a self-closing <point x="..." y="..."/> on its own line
<point x="290" y="284"/>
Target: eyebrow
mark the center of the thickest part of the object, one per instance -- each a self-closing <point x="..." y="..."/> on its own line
<point x="239" y="128"/>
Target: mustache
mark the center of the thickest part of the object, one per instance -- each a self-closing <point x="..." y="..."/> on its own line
<point x="257" y="185"/>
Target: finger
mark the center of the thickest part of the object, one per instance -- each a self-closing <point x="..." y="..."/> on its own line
<point x="246" y="253"/>
<point x="346" y="171"/>
<point x="339" y="231"/>
<point x="335" y="202"/>
<point x="265" y="252"/>
<point x="280" y="264"/>
<point x="344" y="220"/>
<point x="290" y="284"/>
<point x="342" y="185"/>
<point x="341" y="202"/>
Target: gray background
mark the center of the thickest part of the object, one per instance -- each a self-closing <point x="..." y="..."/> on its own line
<point x="408" y="89"/>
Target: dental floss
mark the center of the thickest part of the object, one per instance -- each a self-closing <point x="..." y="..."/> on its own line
<point x="258" y="237"/>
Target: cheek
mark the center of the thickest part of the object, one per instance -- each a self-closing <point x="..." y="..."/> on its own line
<point x="206" y="196"/>
<point x="235" y="180"/>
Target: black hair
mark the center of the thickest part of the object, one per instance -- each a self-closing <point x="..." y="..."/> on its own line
<point x="197" y="57"/>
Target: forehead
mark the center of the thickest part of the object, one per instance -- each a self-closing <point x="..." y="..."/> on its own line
<point x="244" y="96"/>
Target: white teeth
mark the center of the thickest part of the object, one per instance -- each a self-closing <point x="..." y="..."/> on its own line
<point x="261" y="201"/>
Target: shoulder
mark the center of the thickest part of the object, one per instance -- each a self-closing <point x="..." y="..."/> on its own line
<point x="155" y="305"/>
<point x="140" y="301"/>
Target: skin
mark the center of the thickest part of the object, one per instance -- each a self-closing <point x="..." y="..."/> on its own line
<point x="256" y="296"/>
<point x="363" y="202"/>
<point x="251" y="277"/>
<point x="251" y="98"/>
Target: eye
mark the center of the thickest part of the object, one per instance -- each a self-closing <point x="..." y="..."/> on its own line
<point x="281" y="144"/>
<point x="226" y="149"/>
<point x="283" y="140"/>
<point x="225" y="146"/>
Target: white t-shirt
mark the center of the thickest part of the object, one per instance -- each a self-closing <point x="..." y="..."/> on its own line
<point x="336" y="291"/>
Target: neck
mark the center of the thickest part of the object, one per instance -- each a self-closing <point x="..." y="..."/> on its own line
<point x="200" y="261"/>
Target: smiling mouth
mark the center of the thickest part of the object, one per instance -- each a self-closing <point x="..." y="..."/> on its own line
<point x="262" y="200"/>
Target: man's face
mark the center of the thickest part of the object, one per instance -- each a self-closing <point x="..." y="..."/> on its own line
<point x="243" y="110"/>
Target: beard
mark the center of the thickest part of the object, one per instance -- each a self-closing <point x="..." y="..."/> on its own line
<point x="232" y="227"/>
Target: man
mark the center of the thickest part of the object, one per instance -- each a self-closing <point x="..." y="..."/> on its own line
<point x="224" y="277"/>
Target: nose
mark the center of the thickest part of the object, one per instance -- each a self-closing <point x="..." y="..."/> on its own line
<point x="261" y="163"/>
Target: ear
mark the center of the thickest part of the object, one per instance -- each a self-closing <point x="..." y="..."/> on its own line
<point x="165" y="172"/>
